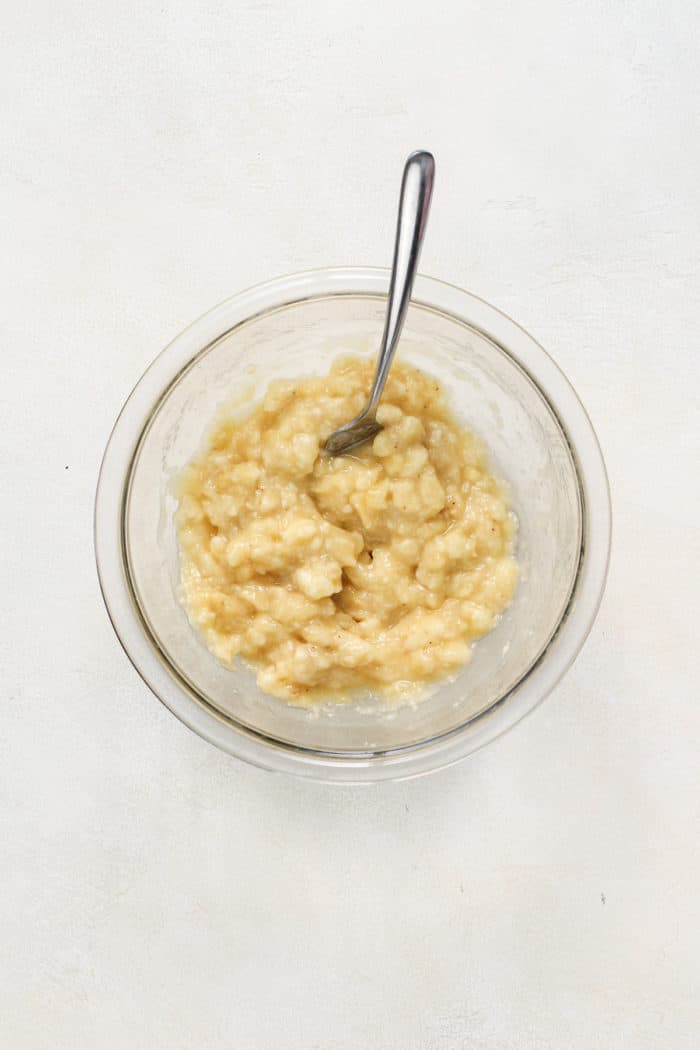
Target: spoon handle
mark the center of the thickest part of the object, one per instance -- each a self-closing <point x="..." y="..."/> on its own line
<point x="414" y="203"/>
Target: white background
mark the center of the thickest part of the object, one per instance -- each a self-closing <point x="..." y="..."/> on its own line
<point x="155" y="893"/>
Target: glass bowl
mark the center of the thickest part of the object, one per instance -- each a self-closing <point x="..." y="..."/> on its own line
<point x="500" y="383"/>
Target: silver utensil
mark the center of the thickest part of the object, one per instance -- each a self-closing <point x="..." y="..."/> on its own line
<point x="414" y="202"/>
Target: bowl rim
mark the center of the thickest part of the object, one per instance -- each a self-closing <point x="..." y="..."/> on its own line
<point x="537" y="682"/>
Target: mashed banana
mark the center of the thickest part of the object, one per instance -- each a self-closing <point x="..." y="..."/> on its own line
<point x="372" y="571"/>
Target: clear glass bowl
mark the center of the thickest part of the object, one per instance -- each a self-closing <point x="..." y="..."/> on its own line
<point x="501" y="383"/>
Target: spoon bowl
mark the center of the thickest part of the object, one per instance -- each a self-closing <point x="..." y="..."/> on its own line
<point x="501" y="383"/>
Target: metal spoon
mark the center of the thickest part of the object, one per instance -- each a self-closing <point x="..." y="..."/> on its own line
<point x="414" y="202"/>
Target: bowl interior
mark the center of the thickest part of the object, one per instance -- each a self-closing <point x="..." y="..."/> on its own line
<point x="489" y="391"/>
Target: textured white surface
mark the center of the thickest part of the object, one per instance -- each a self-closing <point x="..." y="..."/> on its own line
<point x="155" y="893"/>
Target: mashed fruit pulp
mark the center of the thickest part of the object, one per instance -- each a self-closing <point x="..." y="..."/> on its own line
<point x="373" y="571"/>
